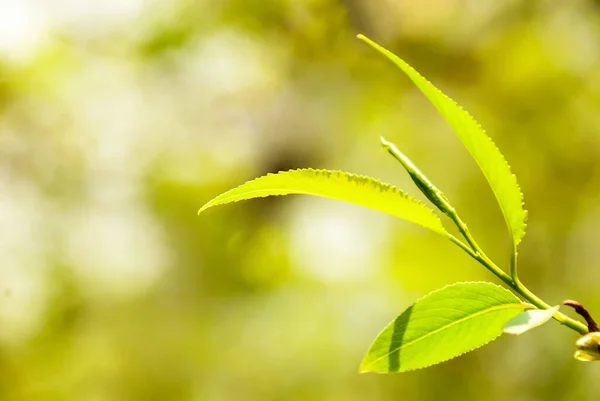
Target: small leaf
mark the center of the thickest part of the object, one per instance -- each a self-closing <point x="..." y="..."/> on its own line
<point x="528" y="320"/>
<point x="442" y="325"/>
<point x="357" y="189"/>
<point x="480" y="146"/>
<point x="425" y="186"/>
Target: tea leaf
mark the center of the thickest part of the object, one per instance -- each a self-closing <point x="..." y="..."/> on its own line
<point x="357" y="189"/>
<point x="480" y="146"/>
<point x="442" y="325"/>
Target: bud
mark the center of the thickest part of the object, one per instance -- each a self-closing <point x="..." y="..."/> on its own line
<point x="425" y="186"/>
<point x="588" y="347"/>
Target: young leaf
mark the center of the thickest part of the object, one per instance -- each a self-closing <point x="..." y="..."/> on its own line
<point x="442" y="325"/>
<point x="357" y="189"/>
<point x="480" y="146"/>
<point x="528" y="320"/>
<point x="425" y="186"/>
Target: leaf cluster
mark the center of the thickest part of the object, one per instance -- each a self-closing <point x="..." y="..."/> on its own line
<point x="455" y="319"/>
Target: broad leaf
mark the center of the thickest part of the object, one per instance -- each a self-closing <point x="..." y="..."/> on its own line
<point x="480" y="146"/>
<point x="357" y="189"/>
<point x="529" y="320"/>
<point x="442" y="325"/>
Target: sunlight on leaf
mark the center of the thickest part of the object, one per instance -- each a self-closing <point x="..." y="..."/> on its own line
<point x="480" y="146"/>
<point x="357" y="189"/>
<point x="442" y="325"/>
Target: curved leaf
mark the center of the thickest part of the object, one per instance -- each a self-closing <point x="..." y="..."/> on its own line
<point x="357" y="189"/>
<point x="442" y="325"/>
<point x="528" y="320"/>
<point x="480" y="146"/>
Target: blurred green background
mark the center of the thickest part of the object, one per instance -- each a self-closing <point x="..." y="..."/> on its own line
<point x="119" y="119"/>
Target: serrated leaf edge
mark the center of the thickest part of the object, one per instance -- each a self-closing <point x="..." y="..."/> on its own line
<point x="515" y="240"/>
<point x="519" y="305"/>
<point x="358" y="177"/>
<point x="525" y="213"/>
<point x="364" y="178"/>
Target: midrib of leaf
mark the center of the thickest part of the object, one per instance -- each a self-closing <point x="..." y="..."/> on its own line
<point x="455" y="322"/>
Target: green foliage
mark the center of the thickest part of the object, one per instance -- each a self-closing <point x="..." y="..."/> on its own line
<point x="529" y="320"/>
<point x="480" y="146"/>
<point x="425" y="186"/>
<point x="458" y="318"/>
<point x="357" y="189"/>
<point x="119" y="122"/>
<point x="442" y="325"/>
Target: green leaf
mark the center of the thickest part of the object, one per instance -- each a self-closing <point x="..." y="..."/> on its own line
<point x="480" y="146"/>
<point x="357" y="189"/>
<point x="442" y="325"/>
<point x="528" y="320"/>
<point x="425" y="186"/>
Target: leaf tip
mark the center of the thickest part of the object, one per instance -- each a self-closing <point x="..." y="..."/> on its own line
<point x="368" y="41"/>
<point x="203" y="208"/>
<point x="364" y="367"/>
<point x="385" y="144"/>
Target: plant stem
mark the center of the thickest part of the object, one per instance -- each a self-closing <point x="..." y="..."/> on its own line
<point x="513" y="263"/>
<point x="443" y="204"/>
<point x="476" y="252"/>
<point x="513" y="282"/>
<point x="462" y="246"/>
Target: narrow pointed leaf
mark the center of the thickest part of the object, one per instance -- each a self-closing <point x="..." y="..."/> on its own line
<point x="357" y="189"/>
<point x="442" y="325"/>
<point x="480" y="146"/>
<point x="425" y="186"/>
<point x="528" y="320"/>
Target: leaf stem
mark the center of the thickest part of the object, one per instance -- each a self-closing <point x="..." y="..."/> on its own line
<point x="476" y="252"/>
<point x="462" y="246"/>
<point x="512" y="281"/>
<point x="473" y="249"/>
<point x="513" y="264"/>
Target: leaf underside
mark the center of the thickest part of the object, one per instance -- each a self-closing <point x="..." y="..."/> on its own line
<point x="442" y="325"/>
<point x="528" y="320"/>
<point x="357" y="189"/>
<point x="489" y="159"/>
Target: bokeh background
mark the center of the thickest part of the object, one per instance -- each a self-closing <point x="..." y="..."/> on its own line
<point x="119" y="119"/>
